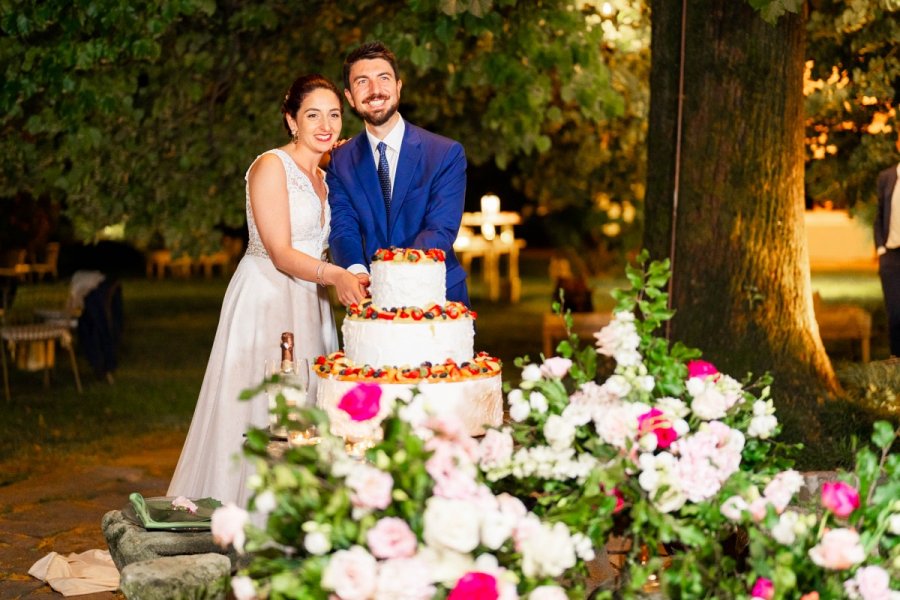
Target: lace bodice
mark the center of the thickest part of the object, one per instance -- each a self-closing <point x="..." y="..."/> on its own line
<point x="308" y="233"/>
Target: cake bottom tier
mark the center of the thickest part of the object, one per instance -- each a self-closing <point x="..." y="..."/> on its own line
<point x="477" y="402"/>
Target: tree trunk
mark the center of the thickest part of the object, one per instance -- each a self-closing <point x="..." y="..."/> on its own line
<point x="741" y="284"/>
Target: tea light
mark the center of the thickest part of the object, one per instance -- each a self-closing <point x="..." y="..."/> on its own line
<point x="307" y="437"/>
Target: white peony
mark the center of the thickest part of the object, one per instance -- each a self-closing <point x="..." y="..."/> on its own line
<point x="538" y="402"/>
<point x="451" y="524"/>
<point x="519" y="410"/>
<point x="531" y="372"/>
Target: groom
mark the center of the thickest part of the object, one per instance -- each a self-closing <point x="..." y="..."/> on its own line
<point x="394" y="184"/>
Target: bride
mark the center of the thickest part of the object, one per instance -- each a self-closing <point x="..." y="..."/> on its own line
<point x="279" y="285"/>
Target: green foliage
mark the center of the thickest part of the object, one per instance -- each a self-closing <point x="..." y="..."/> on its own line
<point x="851" y="106"/>
<point x="95" y="114"/>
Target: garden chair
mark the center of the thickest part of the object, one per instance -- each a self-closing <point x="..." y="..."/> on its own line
<point x="29" y="339"/>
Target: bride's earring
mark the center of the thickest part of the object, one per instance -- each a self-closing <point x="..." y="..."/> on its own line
<point x="295" y="136"/>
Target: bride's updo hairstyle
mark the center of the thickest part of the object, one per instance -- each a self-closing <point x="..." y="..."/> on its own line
<point x="298" y="92"/>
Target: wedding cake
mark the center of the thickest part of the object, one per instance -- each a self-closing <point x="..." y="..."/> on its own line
<point x="407" y="335"/>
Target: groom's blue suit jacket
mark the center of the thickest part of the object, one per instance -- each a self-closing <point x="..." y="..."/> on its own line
<point x="426" y="205"/>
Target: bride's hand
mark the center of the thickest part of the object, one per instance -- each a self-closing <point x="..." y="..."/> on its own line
<point x="350" y="288"/>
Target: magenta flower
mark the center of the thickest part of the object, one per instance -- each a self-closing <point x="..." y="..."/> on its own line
<point x="654" y="422"/>
<point x="763" y="588"/>
<point x="840" y="498"/>
<point x="475" y="586"/>
<point x="701" y="368"/>
<point x="362" y="402"/>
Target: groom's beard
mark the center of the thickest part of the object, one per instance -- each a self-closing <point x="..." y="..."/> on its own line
<point x="380" y="117"/>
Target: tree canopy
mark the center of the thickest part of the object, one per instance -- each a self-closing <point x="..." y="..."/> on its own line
<point x="149" y="113"/>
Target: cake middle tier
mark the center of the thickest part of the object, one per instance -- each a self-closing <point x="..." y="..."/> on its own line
<point x="379" y="342"/>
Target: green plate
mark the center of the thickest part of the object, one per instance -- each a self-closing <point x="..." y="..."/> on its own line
<point x="158" y="513"/>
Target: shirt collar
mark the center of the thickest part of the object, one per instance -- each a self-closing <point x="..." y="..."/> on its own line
<point x="392" y="140"/>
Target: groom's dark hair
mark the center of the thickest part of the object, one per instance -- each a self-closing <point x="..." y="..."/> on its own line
<point x="368" y="52"/>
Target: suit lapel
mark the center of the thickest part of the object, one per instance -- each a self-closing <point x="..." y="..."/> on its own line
<point x="367" y="180"/>
<point x="410" y="155"/>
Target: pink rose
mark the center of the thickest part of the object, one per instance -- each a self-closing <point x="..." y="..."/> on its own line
<point x="369" y="487"/>
<point x="839" y="549"/>
<point x="362" y="402"/>
<point x="701" y="368"/>
<point x="763" y="588"/>
<point x="391" y="538"/>
<point x="227" y="526"/>
<point x="620" y="499"/>
<point x="840" y="498"/>
<point x="556" y="366"/>
<point x="475" y="586"/>
<point x="352" y="574"/>
<point x="654" y="422"/>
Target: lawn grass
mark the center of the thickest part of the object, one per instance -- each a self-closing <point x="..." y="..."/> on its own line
<point x="169" y="330"/>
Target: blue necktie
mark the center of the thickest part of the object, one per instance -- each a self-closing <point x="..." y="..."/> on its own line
<point x="384" y="176"/>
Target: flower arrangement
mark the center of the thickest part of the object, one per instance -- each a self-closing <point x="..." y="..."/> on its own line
<point x="847" y="546"/>
<point x="645" y="454"/>
<point x="412" y="519"/>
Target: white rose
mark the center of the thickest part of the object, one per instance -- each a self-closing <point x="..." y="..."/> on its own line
<point x="446" y="566"/>
<point x="266" y="502"/>
<point x="559" y="432"/>
<point x="733" y="508"/>
<point x="538" y="402"/>
<point x="894" y="524"/>
<point x="762" y="426"/>
<point x="547" y="592"/>
<point x="317" y="543"/>
<point x="519" y="411"/>
<point x="548" y="551"/>
<point x="451" y="524"/>
<point x="496" y="528"/>
<point x="673" y="407"/>
<point x="407" y="578"/>
<point x="785" y="531"/>
<point x="709" y="405"/>
<point x="351" y="574"/>
<point x="531" y="372"/>
<point x="242" y="587"/>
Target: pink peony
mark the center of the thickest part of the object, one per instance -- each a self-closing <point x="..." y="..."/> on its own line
<point x="496" y="449"/>
<point x="391" y="538"/>
<point x="869" y="583"/>
<point x="227" y="526"/>
<point x="763" y="588"/>
<point x="453" y="477"/>
<point x="701" y="368"/>
<point x="556" y="366"/>
<point x="654" y="422"/>
<point x="370" y="487"/>
<point x="840" y="498"/>
<point x="475" y="586"/>
<point x="362" y="402"/>
<point x="839" y="549"/>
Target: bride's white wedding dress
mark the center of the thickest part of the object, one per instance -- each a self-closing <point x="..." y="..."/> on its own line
<point x="261" y="302"/>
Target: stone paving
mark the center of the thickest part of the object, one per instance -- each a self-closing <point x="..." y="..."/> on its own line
<point x="59" y="509"/>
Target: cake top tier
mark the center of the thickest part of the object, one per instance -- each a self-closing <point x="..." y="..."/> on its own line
<point x="408" y="255"/>
<point x="408" y="277"/>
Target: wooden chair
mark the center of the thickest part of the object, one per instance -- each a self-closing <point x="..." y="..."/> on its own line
<point x="13" y="264"/>
<point x="844" y="322"/>
<point x="49" y="264"/>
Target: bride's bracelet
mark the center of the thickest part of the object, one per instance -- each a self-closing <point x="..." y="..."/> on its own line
<point x="320" y="273"/>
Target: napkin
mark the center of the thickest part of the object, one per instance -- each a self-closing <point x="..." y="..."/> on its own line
<point x="158" y="513"/>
